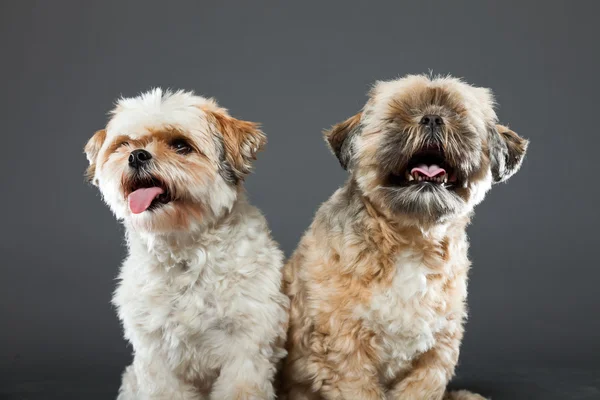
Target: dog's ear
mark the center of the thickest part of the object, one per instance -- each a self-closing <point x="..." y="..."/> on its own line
<point x="92" y="148"/>
<point x="241" y="141"/>
<point x="507" y="150"/>
<point x="339" y="138"/>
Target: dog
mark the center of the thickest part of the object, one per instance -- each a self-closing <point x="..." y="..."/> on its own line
<point x="378" y="282"/>
<point x="199" y="294"/>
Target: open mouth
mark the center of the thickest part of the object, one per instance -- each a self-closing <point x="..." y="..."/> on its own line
<point x="147" y="194"/>
<point x="428" y="166"/>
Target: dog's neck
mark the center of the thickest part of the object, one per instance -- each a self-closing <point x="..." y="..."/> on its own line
<point x="394" y="227"/>
<point x="389" y="236"/>
<point x="182" y="246"/>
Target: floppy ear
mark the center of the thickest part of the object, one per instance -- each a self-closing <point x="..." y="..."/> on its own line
<point x="340" y="137"/>
<point x="241" y="141"/>
<point x="507" y="150"/>
<point x="92" y="148"/>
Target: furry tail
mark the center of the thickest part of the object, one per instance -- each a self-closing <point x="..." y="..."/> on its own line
<point x="463" y="395"/>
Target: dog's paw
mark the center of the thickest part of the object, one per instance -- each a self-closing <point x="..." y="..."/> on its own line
<point x="242" y="392"/>
<point x="463" y="395"/>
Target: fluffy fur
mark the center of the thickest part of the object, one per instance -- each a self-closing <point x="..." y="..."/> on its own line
<point x="379" y="281"/>
<point x="199" y="294"/>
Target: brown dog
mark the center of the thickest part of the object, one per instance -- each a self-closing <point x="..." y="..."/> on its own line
<point x="379" y="281"/>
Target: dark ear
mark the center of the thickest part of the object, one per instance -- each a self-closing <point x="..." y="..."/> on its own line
<point x="507" y="150"/>
<point x="92" y="148"/>
<point x="241" y="141"/>
<point x="340" y="136"/>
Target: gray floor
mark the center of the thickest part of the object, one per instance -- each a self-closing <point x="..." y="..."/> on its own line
<point x="533" y="383"/>
<point x="87" y="383"/>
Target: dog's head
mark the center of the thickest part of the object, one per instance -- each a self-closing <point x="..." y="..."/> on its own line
<point x="171" y="161"/>
<point x="427" y="147"/>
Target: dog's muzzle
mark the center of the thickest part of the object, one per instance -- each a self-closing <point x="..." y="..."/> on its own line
<point x="138" y="158"/>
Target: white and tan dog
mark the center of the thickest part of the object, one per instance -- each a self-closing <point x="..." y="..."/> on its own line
<point x="200" y="291"/>
<point x="379" y="281"/>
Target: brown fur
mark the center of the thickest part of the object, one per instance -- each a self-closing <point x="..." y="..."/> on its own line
<point x="345" y="339"/>
<point x="337" y="135"/>
<point x="333" y="353"/>
<point x="242" y="140"/>
<point x="516" y="146"/>
<point x="91" y="149"/>
<point x="161" y="138"/>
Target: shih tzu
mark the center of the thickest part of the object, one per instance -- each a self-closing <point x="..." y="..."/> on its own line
<point x="378" y="283"/>
<point x="199" y="294"/>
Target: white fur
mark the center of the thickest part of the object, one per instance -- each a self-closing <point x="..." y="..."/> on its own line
<point x="409" y="328"/>
<point x="137" y="116"/>
<point x="202" y="306"/>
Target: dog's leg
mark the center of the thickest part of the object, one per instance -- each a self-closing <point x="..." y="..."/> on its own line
<point x="128" y="389"/>
<point x="247" y="375"/>
<point x="345" y="384"/>
<point x="295" y="382"/>
<point x="295" y="378"/>
<point x="463" y="395"/>
<point x="431" y="371"/>
<point x="341" y="365"/>
<point x="299" y="392"/>
<point x="152" y="381"/>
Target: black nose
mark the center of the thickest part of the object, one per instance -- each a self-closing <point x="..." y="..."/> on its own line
<point x="139" y="157"/>
<point x="433" y="121"/>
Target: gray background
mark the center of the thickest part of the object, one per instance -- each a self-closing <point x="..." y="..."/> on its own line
<point x="298" y="68"/>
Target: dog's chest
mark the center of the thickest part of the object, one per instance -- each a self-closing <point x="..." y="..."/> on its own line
<point x="407" y="313"/>
<point x="184" y="308"/>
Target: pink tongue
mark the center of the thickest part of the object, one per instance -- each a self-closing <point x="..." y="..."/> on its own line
<point x="140" y="200"/>
<point x="430" y="171"/>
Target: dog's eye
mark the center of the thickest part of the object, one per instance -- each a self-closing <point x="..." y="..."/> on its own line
<point x="181" y="146"/>
<point x="118" y="144"/>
